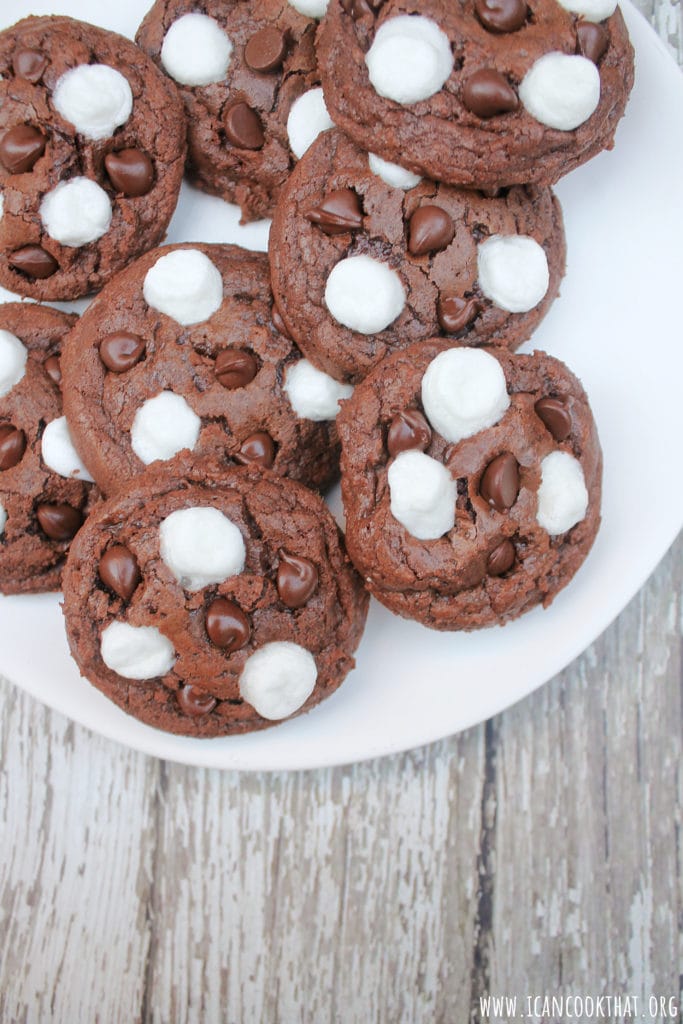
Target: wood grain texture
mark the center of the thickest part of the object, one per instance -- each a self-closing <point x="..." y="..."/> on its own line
<point x="538" y="854"/>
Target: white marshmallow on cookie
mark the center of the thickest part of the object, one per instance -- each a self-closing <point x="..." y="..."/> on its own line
<point x="590" y="10"/>
<point x="59" y="454"/>
<point x="95" y="98"/>
<point x="313" y="394"/>
<point x="310" y="8"/>
<point x="196" y="50"/>
<point x="393" y="174"/>
<point x="76" y="212"/>
<point x="3" y="518"/>
<point x="364" y="294"/>
<point x="136" y="652"/>
<point x="164" y="426"/>
<point x="13" y="356"/>
<point x="423" y="495"/>
<point x="513" y="272"/>
<point x="562" y="495"/>
<point x="308" y="117"/>
<point x="278" y="679"/>
<point x="410" y="59"/>
<point x="185" y="285"/>
<point x="201" y="546"/>
<point x="464" y="391"/>
<point x="561" y="90"/>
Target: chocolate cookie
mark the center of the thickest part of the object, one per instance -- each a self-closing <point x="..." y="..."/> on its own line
<point x="481" y="93"/>
<point x="248" y="75"/>
<point x="362" y="266"/>
<point x="92" y="149"/>
<point x="213" y="602"/>
<point x="471" y="481"/>
<point x="182" y="351"/>
<point x="44" y="489"/>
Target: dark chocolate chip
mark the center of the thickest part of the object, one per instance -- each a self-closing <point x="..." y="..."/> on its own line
<point x="408" y="430"/>
<point x="226" y="625"/>
<point x="555" y="416"/>
<point x="130" y="171"/>
<point x="12" y="446"/>
<point x="591" y="40"/>
<point x="121" y="351"/>
<point x="30" y="65"/>
<point x="194" y="702"/>
<point x="487" y="93"/>
<point x="501" y="559"/>
<point x="59" y="522"/>
<point x="119" y="570"/>
<point x="297" y="580"/>
<point x="279" y="323"/>
<point x="53" y="368"/>
<point x="21" y="148"/>
<point x="455" y="313"/>
<point x="501" y="15"/>
<point x="266" y="49"/>
<point x="431" y="229"/>
<point x="339" y="211"/>
<point x="33" y="261"/>
<point x="243" y="127"/>
<point x="499" y="485"/>
<point x="257" y="449"/>
<point x="235" y="368"/>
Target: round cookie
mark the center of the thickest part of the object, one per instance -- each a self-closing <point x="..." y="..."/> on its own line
<point x="87" y="180"/>
<point x="481" y="93"/>
<point x="181" y="351"/>
<point x="204" y="645"/>
<point x="361" y="268"/>
<point x="44" y="489"/>
<point x="248" y="74"/>
<point x="471" y="481"/>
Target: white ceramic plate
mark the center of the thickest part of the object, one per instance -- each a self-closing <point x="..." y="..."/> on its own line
<point x="617" y="325"/>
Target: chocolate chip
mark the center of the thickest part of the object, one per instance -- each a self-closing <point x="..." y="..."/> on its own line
<point x="279" y="323"/>
<point x="499" y="485"/>
<point x="59" y="522"/>
<point x="487" y="93"/>
<point x="121" y="351"/>
<point x="591" y="40"/>
<point x="12" y="446"/>
<point x="30" y="65"/>
<point x="408" y="430"/>
<point x="266" y="49"/>
<point x="53" y="368"/>
<point x="119" y="570"/>
<point x="21" y="148"/>
<point x="257" y="449"/>
<point x="226" y="625"/>
<point x="130" y="171"/>
<point x="297" y="580"/>
<point x="243" y="127"/>
<point x="194" y="702"/>
<point x="501" y="15"/>
<point x="431" y="229"/>
<point x="501" y="559"/>
<point x="357" y="8"/>
<point x="555" y="416"/>
<point x="340" y="211"/>
<point x="235" y="368"/>
<point x="33" y="261"/>
<point x="455" y="314"/>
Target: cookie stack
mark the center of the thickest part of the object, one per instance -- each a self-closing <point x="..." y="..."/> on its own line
<point x="160" y="457"/>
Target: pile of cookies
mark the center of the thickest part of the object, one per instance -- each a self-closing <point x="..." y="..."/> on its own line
<point x="161" y="456"/>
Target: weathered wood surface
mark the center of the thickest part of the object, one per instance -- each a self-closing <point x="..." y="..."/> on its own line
<point x="539" y="854"/>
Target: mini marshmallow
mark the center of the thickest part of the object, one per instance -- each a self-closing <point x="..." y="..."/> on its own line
<point x="364" y="294"/>
<point x="314" y="395"/>
<point x="423" y="495"/>
<point x="591" y="10"/>
<point x="393" y="174"/>
<point x="76" y="212"/>
<point x="13" y="356"/>
<point x="3" y="518"/>
<point x="94" y="98"/>
<point x="59" y="453"/>
<point x="184" y="285"/>
<point x="562" y="496"/>
<point x="561" y="90"/>
<point x="201" y="546"/>
<point x="2" y="205"/>
<point x="196" y="50"/>
<point x="162" y="427"/>
<point x="463" y="392"/>
<point x="310" y="8"/>
<point x="278" y="679"/>
<point x="136" y="652"/>
<point x="410" y="59"/>
<point x="308" y="117"/>
<point x="513" y="272"/>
